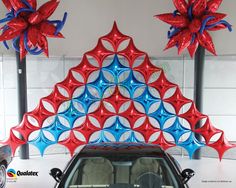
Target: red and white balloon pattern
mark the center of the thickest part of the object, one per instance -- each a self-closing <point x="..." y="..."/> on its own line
<point x="116" y="95"/>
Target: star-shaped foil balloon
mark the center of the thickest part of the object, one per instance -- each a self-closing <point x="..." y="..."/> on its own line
<point x="29" y="27"/>
<point x="190" y="23"/>
<point x="115" y="101"/>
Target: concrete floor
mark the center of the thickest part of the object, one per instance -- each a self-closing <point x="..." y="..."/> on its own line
<point x="210" y="173"/>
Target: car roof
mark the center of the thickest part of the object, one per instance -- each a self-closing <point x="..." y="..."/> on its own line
<point x="124" y="148"/>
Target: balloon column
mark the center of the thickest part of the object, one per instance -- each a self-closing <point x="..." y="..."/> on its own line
<point x="28" y="28"/>
<point x="116" y="95"/>
<point x="191" y="22"/>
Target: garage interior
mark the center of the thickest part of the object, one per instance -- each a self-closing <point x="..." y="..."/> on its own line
<point x="87" y="21"/>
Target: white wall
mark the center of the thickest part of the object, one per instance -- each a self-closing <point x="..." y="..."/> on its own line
<point x="90" y="19"/>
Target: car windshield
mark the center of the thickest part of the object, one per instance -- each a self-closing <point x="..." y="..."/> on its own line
<point x="99" y="172"/>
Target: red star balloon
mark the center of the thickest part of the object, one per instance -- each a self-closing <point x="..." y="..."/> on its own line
<point x="40" y="114"/>
<point x="147" y="129"/>
<point x="86" y="128"/>
<point x="132" y="114"/>
<point x="162" y="84"/>
<point x="55" y="98"/>
<point x="14" y="142"/>
<point x="70" y="84"/>
<point x="161" y="141"/>
<point x="191" y="22"/>
<point x="84" y="69"/>
<point x="115" y="37"/>
<point x="29" y="27"/>
<point x="99" y="53"/>
<point x="193" y="116"/>
<point x="146" y="68"/>
<point x="116" y="99"/>
<point x="131" y="53"/>
<point x="207" y="131"/>
<point x="72" y="142"/>
<point x="102" y="113"/>
<point x="222" y="145"/>
<point x="177" y="100"/>
<point x="25" y="128"/>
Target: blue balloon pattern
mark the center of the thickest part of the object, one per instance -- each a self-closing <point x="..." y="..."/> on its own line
<point x="41" y="142"/>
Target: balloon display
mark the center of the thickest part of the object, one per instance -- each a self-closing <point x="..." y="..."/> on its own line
<point x="108" y="102"/>
<point x="29" y="27"/>
<point x="190" y="23"/>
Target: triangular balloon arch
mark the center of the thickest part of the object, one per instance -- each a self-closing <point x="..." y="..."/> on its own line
<point x="116" y="95"/>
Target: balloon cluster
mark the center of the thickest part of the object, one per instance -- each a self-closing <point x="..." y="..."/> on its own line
<point x="28" y="28"/>
<point x="191" y="22"/>
<point x="116" y="95"/>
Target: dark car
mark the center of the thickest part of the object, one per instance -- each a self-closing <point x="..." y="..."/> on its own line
<point x="5" y="159"/>
<point x="122" y="165"/>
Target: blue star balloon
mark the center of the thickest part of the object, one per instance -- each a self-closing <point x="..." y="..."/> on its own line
<point x="117" y="129"/>
<point x="41" y="142"/>
<point x="161" y="115"/>
<point x="176" y="130"/>
<point x="131" y="84"/>
<point x="146" y="99"/>
<point x="132" y="138"/>
<point x="101" y="83"/>
<point x="102" y="138"/>
<point x="86" y="99"/>
<point x="56" y="128"/>
<point x="116" y="69"/>
<point x="71" y="113"/>
<point x="191" y="144"/>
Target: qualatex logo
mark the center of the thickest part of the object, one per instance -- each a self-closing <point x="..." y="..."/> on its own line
<point x="27" y="173"/>
<point x="11" y="173"/>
